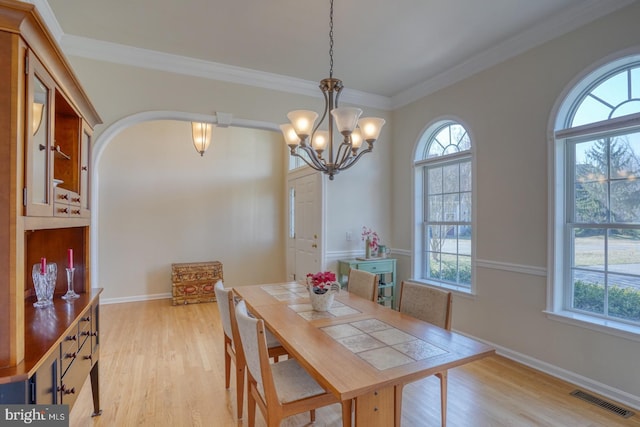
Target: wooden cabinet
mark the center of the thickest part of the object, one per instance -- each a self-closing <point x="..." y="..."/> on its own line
<point x="46" y="123"/>
<point x="385" y="268"/>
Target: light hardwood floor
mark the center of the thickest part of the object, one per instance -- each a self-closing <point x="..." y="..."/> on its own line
<point x="162" y="365"/>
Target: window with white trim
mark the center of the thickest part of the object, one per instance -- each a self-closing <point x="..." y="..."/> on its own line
<point x="596" y="231"/>
<point x="444" y="197"/>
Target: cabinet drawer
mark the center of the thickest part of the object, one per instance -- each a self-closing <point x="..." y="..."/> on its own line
<point x="377" y="267"/>
<point x="84" y="329"/>
<point x="74" y="377"/>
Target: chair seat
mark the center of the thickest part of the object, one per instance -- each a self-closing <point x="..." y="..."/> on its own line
<point x="293" y="382"/>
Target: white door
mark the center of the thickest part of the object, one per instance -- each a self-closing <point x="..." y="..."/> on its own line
<point x="304" y="251"/>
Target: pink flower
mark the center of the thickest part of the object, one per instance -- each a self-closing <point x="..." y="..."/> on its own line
<point x="374" y="239"/>
<point x="321" y="282"/>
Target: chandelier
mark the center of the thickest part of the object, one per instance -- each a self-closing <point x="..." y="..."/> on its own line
<point x="309" y="143"/>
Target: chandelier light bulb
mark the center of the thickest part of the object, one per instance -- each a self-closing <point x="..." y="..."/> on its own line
<point x="290" y="136"/>
<point x="303" y="121"/>
<point x="370" y="128"/>
<point x="320" y="140"/>
<point x="356" y="139"/>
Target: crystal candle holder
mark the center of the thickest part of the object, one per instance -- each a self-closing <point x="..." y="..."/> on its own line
<point x="44" y="284"/>
<point x="70" y="295"/>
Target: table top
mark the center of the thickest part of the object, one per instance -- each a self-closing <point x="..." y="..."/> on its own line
<point x="357" y="346"/>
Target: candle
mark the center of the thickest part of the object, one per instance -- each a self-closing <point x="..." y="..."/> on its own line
<point x="43" y="265"/>
<point x="70" y="257"/>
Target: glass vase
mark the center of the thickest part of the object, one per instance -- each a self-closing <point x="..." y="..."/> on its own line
<point x="44" y="284"/>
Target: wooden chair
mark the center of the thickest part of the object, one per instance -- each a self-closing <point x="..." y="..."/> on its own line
<point x="434" y="306"/>
<point x="363" y="284"/>
<point x="281" y="389"/>
<point x="226" y="306"/>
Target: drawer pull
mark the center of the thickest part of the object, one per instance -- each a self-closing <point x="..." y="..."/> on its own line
<point x="86" y="319"/>
<point x="63" y="210"/>
<point x="94" y="334"/>
<point x="85" y="333"/>
<point x="76" y="199"/>
<point x="88" y="357"/>
<point x="71" y="338"/>
<point x="70" y="355"/>
<point x="63" y="196"/>
<point x="75" y="212"/>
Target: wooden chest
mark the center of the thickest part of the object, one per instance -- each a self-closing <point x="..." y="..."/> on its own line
<point x="194" y="281"/>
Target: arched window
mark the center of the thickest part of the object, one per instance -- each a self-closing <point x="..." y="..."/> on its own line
<point x="444" y="200"/>
<point x="596" y="231"/>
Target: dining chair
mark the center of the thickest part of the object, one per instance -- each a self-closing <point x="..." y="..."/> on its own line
<point x="280" y="389"/>
<point x="226" y="306"/>
<point x="363" y="284"/>
<point x="434" y="306"/>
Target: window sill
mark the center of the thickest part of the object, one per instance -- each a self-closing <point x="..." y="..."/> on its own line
<point x="611" y="327"/>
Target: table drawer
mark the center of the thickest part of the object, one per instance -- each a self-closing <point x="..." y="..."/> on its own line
<point x="377" y="267"/>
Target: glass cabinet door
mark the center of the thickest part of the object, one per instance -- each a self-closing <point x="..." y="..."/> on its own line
<point x="38" y="131"/>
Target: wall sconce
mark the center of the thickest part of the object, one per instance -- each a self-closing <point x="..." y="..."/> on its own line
<point x="38" y="109"/>
<point x="201" y="134"/>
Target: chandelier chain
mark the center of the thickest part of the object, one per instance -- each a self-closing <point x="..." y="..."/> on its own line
<point x="331" y="40"/>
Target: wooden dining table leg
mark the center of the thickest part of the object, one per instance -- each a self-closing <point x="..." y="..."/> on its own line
<point x="346" y="412"/>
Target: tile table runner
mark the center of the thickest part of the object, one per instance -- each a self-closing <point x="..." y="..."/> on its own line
<point x="380" y="344"/>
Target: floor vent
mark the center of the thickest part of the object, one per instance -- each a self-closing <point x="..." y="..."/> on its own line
<point x="625" y="413"/>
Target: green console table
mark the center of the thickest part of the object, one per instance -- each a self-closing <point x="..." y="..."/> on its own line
<point x="385" y="268"/>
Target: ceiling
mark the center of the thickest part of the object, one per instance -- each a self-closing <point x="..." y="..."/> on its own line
<point x="396" y="50"/>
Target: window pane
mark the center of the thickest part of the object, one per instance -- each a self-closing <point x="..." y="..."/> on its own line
<point x="451" y="178"/>
<point x="449" y="268"/>
<point x="635" y="83"/>
<point x="614" y="90"/>
<point x="625" y="201"/>
<point x="450" y="240"/>
<point x="451" y="207"/>
<point x="590" y="111"/>
<point x="464" y="240"/>
<point x="623" y="252"/>
<point x="437" y="235"/>
<point x="588" y="291"/>
<point x="624" y="298"/>
<point x="435" y="208"/>
<point x="588" y="248"/>
<point x="465" y="207"/>
<point x="465" y="176"/>
<point x="592" y="161"/>
<point x="433" y="269"/>
<point x="464" y="265"/>
<point x="434" y="180"/>
<point x="591" y="202"/>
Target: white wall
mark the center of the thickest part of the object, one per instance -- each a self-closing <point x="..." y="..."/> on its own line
<point x="160" y="203"/>
<point x="507" y="109"/>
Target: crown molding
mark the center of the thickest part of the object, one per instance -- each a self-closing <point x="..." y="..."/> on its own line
<point x="586" y="12"/>
<point x="558" y="25"/>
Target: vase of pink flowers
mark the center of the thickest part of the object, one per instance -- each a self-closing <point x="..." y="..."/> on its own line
<point x="372" y="241"/>
<point x="322" y="287"/>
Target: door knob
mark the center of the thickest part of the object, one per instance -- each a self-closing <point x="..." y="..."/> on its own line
<point x="314" y="245"/>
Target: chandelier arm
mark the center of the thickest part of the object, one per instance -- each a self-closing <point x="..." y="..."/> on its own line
<point x="343" y="153"/>
<point x="313" y="160"/>
<point x="356" y="158"/>
<point x="311" y="165"/>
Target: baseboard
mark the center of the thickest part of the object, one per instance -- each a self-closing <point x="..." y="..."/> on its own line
<point x="580" y="381"/>
<point x="135" y="298"/>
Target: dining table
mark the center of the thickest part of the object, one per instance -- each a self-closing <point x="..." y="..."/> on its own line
<point x="360" y="351"/>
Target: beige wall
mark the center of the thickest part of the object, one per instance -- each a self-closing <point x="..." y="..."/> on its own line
<point x="161" y="203"/>
<point x="507" y="109"/>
